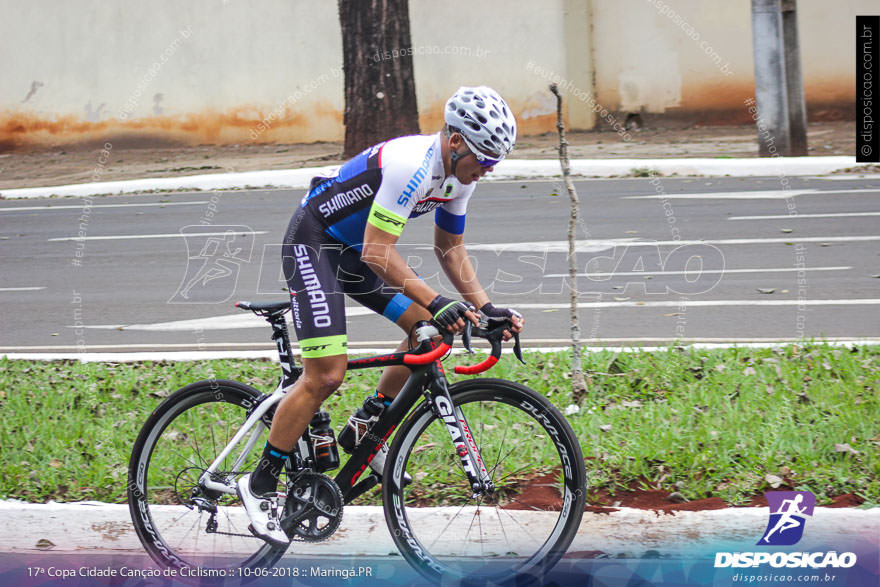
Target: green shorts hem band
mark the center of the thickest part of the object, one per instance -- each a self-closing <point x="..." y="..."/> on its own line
<point x="324" y="346"/>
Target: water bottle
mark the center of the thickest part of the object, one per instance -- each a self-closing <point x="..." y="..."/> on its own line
<point x="360" y="422"/>
<point x="323" y="442"/>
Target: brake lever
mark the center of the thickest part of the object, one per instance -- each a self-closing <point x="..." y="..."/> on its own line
<point x="517" y="348"/>
<point x="466" y="336"/>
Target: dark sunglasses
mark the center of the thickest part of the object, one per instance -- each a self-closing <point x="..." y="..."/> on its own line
<point x="483" y="160"/>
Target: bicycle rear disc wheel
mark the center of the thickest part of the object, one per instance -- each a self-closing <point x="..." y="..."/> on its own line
<point x="171" y="514"/>
<point x="518" y="532"/>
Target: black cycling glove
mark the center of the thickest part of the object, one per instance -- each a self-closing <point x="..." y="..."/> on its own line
<point x="446" y="312"/>
<point x="491" y="311"/>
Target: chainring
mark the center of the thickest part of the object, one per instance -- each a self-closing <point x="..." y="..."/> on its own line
<point x="313" y="508"/>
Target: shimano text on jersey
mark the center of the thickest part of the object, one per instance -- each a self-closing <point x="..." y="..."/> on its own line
<point x="343" y="199"/>
<point x="417" y="178"/>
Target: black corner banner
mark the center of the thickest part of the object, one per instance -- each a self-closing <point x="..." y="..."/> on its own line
<point x="867" y="80"/>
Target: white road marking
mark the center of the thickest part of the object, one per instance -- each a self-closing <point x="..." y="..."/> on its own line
<point x="702" y="272"/>
<point x="588" y="246"/>
<point x="81" y="206"/>
<point x="238" y="321"/>
<point x="224" y="322"/>
<point x="539" y="247"/>
<point x="704" y="303"/>
<point x="34" y="288"/>
<point x="139" y="236"/>
<point x="756" y="195"/>
<point x="845" y="177"/>
<point x="797" y="216"/>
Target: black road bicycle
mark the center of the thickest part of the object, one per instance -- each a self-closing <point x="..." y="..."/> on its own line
<point x="462" y="464"/>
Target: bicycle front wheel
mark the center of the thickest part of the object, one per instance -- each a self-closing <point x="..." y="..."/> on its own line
<point x="181" y="524"/>
<point x="519" y="531"/>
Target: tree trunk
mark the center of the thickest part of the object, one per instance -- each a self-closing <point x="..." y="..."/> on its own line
<point x="578" y="383"/>
<point x="380" y="92"/>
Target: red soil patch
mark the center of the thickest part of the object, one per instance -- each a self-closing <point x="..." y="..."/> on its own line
<point x="598" y="509"/>
<point x="541" y="492"/>
<point x="654" y="499"/>
<point x="847" y="500"/>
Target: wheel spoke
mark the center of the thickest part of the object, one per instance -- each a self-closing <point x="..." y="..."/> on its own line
<point x="188" y="531"/>
<point x="452" y="519"/>
<point x="512" y="517"/>
<point x="480" y="523"/>
<point x="509" y="425"/>
<point x="192" y="429"/>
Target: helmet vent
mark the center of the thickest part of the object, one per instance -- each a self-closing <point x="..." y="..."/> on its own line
<point x="483" y="119"/>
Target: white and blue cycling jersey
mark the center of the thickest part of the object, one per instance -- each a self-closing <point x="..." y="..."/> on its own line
<point x="385" y="186"/>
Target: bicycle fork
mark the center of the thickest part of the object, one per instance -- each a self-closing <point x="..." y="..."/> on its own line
<point x="460" y="433"/>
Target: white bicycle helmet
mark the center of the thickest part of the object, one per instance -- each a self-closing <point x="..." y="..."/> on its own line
<point x="484" y="121"/>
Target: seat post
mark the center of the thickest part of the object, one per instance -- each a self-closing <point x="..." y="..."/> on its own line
<point x="285" y="353"/>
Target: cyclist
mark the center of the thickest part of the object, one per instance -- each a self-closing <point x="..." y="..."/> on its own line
<point x="342" y="239"/>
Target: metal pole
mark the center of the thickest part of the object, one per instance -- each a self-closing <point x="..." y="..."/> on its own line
<point x="794" y="84"/>
<point x="770" y="87"/>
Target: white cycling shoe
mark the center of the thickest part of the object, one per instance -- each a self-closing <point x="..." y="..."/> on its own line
<point x="262" y="513"/>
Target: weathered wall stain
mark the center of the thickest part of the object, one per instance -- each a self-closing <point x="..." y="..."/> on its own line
<point x="706" y="104"/>
<point x="25" y="130"/>
<point x="722" y="102"/>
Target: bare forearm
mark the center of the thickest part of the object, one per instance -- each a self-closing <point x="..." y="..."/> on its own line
<point x="458" y="268"/>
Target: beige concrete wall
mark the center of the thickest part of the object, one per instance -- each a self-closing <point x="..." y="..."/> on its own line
<point x="195" y="71"/>
<point x="232" y="71"/>
<point x="828" y="53"/>
<point x="493" y="51"/>
<point x="693" y="59"/>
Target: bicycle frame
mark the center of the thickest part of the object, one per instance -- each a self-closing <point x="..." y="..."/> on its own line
<point x="430" y="381"/>
<point x="427" y="379"/>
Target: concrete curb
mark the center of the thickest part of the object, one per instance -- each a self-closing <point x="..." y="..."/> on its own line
<point x="133" y="356"/>
<point x="101" y="527"/>
<point x="506" y="170"/>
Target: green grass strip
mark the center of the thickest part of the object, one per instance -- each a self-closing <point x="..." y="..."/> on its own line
<point x="701" y="422"/>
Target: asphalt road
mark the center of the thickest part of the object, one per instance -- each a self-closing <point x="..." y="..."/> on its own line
<point x="665" y="259"/>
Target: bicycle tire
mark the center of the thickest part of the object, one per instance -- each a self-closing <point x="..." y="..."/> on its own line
<point x="167" y="460"/>
<point x="498" y="412"/>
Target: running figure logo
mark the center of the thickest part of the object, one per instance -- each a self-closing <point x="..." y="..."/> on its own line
<point x="787" y="516"/>
<point x="214" y="258"/>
